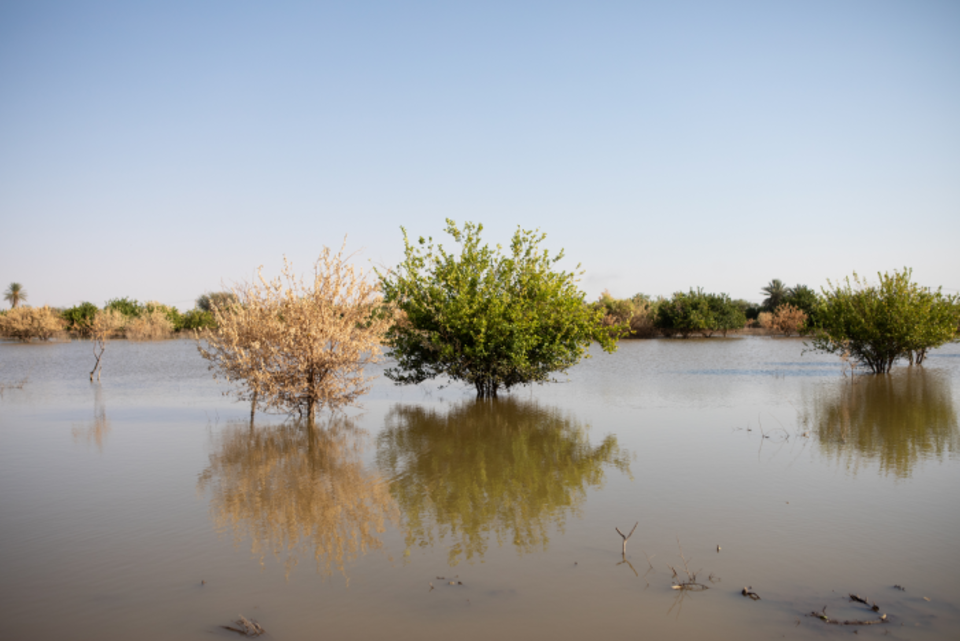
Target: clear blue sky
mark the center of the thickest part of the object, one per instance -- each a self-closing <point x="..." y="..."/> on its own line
<point x="159" y="149"/>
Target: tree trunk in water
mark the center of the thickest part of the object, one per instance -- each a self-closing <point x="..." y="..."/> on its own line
<point x="253" y="406"/>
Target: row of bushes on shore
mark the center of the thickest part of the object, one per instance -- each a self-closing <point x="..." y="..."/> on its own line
<point x="702" y="313"/>
<point x="120" y="317"/>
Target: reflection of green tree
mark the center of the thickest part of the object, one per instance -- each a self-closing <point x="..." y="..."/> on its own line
<point x="500" y="466"/>
<point x="895" y="419"/>
<point x="295" y="488"/>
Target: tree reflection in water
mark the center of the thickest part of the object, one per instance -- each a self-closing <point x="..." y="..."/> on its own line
<point x="95" y="431"/>
<point x="895" y="419"/>
<point x="296" y="489"/>
<point x="501" y="466"/>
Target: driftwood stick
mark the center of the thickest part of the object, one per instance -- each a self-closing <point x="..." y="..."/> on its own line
<point x="626" y="537"/>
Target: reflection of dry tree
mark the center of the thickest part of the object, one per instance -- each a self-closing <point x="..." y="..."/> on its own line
<point x="298" y="489"/>
<point x="294" y="345"/>
<point x="96" y="430"/>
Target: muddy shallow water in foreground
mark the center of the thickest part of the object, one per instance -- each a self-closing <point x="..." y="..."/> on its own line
<point x="148" y="507"/>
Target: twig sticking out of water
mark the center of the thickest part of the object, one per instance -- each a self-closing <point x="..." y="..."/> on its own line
<point x="691" y="582"/>
<point x="626" y="537"/>
<point x="748" y="591"/>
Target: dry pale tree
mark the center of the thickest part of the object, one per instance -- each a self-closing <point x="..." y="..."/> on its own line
<point x="106" y="323"/>
<point x="295" y="345"/>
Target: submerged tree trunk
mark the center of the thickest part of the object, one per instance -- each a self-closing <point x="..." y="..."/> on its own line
<point x="486" y="388"/>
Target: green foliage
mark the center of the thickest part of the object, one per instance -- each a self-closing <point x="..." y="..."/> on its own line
<point x="487" y="319"/>
<point x="15" y="295"/>
<point x="751" y="311"/>
<point x="776" y="293"/>
<point x="806" y="300"/>
<point x="726" y="314"/>
<point x="877" y="325"/>
<point x="537" y="466"/>
<point x="206" y="302"/>
<point x="80" y="317"/>
<point x="197" y="319"/>
<point x="130" y="308"/>
<point x="698" y="312"/>
<point x="171" y="313"/>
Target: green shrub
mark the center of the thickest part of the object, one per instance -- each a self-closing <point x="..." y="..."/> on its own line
<point x="79" y="318"/>
<point x="197" y="319"/>
<point x="880" y="324"/>
<point x="130" y="308"/>
<point x="206" y="302"/>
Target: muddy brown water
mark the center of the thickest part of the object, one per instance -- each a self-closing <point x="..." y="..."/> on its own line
<point x="147" y="507"/>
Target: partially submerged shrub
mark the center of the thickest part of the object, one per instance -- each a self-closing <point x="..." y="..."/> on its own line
<point x="765" y="320"/>
<point x="879" y="324"/>
<point x="696" y="311"/>
<point x="79" y="318"/>
<point x="28" y="323"/>
<point x="126" y="306"/>
<point x="206" y="302"/>
<point x="789" y="319"/>
<point x="150" y="326"/>
<point x="197" y="319"/>
<point x="643" y="322"/>
<point x="295" y="345"/>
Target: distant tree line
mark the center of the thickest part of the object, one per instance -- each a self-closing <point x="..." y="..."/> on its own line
<point x="488" y="317"/>
<point x="118" y="318"/>
<point x="787" y="310"/>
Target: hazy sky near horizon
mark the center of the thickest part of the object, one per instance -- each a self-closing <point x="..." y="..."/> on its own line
<point x="158" y="150"/>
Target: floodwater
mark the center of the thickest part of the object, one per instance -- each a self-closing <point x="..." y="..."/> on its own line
<point x="148" y="507"/>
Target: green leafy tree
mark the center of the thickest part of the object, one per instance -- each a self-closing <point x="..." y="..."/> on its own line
<point x="727" y="314"/>
<point x="776" y="292"/>
<point x="806" y="300"/>
<point x="877" y="325"/>
<point x="198" y="319"/>
<point x="80" y="317"/>
<point x="131" y="308"/>
<point x="206" y="302"/>
<point x="489" y="319"/>
<point x="15" y="295"/>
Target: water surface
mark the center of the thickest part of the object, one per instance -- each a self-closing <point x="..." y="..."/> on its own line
<point x="149" y="507"/>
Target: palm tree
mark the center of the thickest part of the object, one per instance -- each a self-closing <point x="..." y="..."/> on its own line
<point x="15" y="295"/>
<point x="776" y="292"/>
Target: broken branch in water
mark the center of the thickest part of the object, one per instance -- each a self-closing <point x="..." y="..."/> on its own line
<point x="822" y="615"/>
<point x="872" y="606"/>
<point x="249" y="628"/>
<point x="626" y="537"/>
<point x="748" y="591"/>
<point x="691" y="582"/>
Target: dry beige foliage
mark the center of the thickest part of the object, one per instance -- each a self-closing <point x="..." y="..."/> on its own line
<point x="765" y="320"/>
<point x="151" y="326"/>
<point x="297" y="489"/>
<point x="27" y="323"/>
<point x="788" y="319"/>
<point x="643" y="321"/>
<point x="106" y="324"/>
<point x="295" y="346"/>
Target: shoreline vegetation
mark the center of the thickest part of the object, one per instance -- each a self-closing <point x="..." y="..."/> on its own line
<point x="490" y="317"/>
